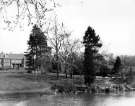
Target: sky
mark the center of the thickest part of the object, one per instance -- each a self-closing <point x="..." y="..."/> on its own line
<point x="113" y="21"/>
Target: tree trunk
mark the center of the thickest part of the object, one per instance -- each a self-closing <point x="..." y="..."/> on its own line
<point x="71" y="74"/>
<point x="65" y="72"/>
<point x="57" y="69"/>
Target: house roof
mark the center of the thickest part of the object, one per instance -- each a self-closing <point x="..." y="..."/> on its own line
<point x="12" y="56"/>
<point x="15" y="56"/>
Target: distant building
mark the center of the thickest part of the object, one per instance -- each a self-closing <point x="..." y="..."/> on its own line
<point x="12" y="61"/>
<point x="17" y="61"/>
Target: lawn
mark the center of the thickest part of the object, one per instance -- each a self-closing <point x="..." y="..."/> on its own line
<point x="19" y="82"/>
<point x="22" y="82"/>
<point x="26" y="82"/>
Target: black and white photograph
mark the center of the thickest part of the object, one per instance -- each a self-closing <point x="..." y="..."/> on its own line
<point x="67" y="52"/>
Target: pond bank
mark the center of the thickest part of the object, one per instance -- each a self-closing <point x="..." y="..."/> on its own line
<point x="58" y="89"/>
<point x="23" y="83"/>
<point x="101" y="85"/>
<point x="46" y="91"/>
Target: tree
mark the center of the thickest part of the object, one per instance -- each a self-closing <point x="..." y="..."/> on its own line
<point x="91" y="43"/>
<point x="58" y="35"/>
<point x="26" y="12"/>
<point x="128" y="60"/>
<point x="77" y="64"/>
<point x="37" y="49"/>
<point x="69" y="55"/>
<point x="117" y="65"/>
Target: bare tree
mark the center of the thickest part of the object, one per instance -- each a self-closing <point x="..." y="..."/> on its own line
<point x="57" y="35"/>
<point x="25" y="11"/>
<point x="70" y="48"/>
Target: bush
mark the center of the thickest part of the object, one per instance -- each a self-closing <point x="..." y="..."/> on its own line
<point x="104" y="71"/>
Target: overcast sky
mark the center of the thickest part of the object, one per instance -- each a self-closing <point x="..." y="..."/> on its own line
<point x="113" y="20"/>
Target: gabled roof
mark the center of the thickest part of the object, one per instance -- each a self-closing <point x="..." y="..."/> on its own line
<point x="15" y="56"/>
<point x="12" y="56"/>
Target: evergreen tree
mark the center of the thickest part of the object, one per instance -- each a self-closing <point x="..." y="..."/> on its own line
<point x="92" y="44"/>
<point x="37" y="46"/>
<point x="117" y="65"/>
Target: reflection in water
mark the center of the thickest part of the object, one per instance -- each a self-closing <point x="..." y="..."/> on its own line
<point x="12" y="103"/>
<point x="22" y="103"/>
<point x="82" y="100"/>
<point x="121" y="102"/>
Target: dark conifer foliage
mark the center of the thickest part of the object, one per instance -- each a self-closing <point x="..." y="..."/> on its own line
<point x="92" y="43"/>
<point x="117" y="65"/>
<point x="37" y="45"/>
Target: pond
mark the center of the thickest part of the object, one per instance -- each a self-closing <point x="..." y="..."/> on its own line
<point x="126" y="99"/>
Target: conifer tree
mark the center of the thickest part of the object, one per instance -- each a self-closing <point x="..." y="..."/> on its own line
<point x="37" y="46"/>
<point x="117" y="65"/>
<point x="92" y="43"/>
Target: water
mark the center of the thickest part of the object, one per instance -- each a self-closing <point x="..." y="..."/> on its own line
<point x="127" y="99"/>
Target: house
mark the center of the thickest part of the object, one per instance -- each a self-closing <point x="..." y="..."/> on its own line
<point x="12" y="61"/>
<point x="17" y="61"/>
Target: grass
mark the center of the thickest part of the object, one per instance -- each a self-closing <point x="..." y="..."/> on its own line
<point x="20" y="81"/>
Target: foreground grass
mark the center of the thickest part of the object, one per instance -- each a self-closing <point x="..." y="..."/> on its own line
<point x="20" y="82"/>
<point x="24" y="82"/>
